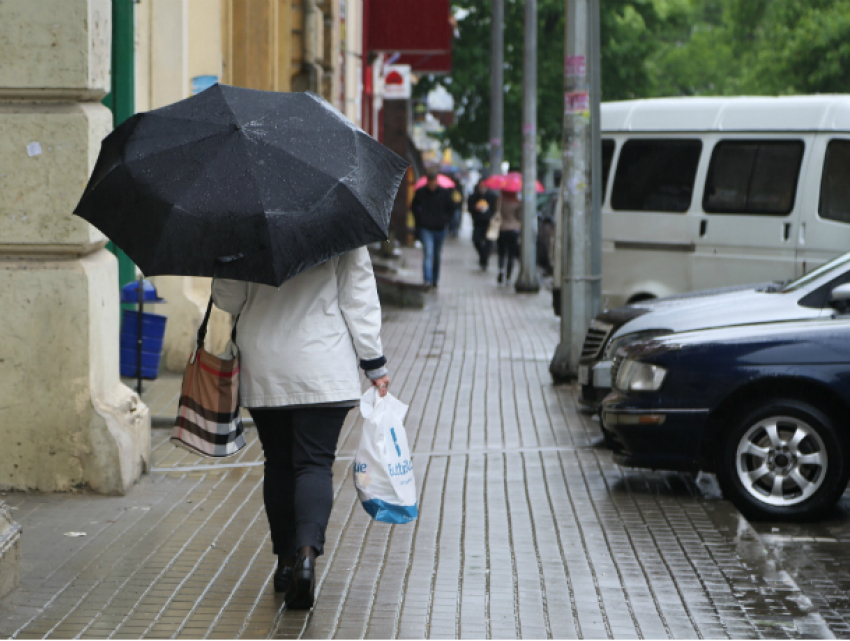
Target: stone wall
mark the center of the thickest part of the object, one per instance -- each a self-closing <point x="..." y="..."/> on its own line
<point x="66" y="420"/>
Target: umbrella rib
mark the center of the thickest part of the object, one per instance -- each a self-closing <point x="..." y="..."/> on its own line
<point x="177" y="146"/>
<point x="194" y="121"/>
<point x="236" y="119"/>
<point x="302" y="160"/>
<point x="196" y="179"/>
<point x="340" y="118"/>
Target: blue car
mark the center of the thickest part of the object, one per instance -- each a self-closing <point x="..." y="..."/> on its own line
<point x="766" y="407"/>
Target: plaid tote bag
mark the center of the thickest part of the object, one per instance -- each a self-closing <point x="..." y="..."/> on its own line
<point x="208" y="418"/>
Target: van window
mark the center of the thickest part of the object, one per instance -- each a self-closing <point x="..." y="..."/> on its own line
<point x="835" y="188"/>
<point x="656" y="175"/>
<point x="753" y="177"/>
<point x="607" y="156"/>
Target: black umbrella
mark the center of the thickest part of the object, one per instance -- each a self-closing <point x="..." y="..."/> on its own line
<point x="251" y="185"/>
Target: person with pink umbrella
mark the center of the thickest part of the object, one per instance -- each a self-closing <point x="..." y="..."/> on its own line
<point x="432" y="209"/>
<point x="510" y="215"/>
<point x="510" y="226"/>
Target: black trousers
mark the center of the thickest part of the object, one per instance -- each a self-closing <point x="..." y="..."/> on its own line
<point x="300" y="448"/>
<point x="483" y="245"/>
<point x="508" y="245"/>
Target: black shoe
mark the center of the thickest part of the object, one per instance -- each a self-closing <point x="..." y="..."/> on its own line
<point x="302" y="585"/>
<point x="282" y="578"/>
<point x="500" y="278"/>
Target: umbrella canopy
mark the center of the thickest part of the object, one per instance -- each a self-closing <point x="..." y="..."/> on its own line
<point x="241" y="184"/>
<point x="511" y="181"/>
<point x="442" y="181"/>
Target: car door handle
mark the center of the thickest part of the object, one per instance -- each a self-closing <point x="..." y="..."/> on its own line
<point x="787" y="234"/>
<point x="703" y="227"/>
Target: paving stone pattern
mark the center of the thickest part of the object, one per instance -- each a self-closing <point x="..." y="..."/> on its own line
<point x="527" y="528"/>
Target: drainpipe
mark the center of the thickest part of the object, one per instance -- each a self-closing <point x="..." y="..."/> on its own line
<point x="122" y="100"/>
<point x="313" y="46"/>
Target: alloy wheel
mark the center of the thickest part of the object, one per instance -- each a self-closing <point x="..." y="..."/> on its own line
<point x="781" y="461"/>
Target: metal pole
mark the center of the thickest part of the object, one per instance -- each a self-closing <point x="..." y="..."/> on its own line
<point x="596" y="161"/>
<point x="497" y="92"/>
<point x="139" y="329"/>
<point x="576" y="188"/>
<point x="528" y="281"/>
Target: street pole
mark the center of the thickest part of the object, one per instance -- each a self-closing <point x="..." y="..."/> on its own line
<point x="528" y="280"/>
<point x="497" y="92"/>
<point x="577" y="186"/>
<point x="596" y="162"/>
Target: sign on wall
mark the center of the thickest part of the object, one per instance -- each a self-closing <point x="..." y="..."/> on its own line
<point x="397" y="82"/>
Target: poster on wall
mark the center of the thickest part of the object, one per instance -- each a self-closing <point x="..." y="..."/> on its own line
<point x="202" y="83"/>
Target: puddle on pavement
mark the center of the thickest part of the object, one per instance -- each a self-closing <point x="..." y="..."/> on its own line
<point x="762" y="558"/>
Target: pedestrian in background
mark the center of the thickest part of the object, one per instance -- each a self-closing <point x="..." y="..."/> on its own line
<point x="457" y="201"/>
<point x="432" y="208"/>
<point x="510" y="211"/>
<point x="482" y="208"/>
<point x="299" y="346"/>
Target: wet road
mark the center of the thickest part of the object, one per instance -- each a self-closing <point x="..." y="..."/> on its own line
<point x="816" y="557"/>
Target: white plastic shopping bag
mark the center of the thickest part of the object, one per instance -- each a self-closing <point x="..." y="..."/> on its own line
<point x="383" y="471"/>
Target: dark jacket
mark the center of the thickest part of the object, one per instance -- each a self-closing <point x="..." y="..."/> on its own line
<point x="432" y="210"/>
<point x="482" y="217"/>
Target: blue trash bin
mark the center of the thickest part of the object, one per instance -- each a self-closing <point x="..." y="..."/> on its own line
<point x="153" y="331"/>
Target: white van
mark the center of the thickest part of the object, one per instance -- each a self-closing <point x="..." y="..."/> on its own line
<point x="711" y="192"/>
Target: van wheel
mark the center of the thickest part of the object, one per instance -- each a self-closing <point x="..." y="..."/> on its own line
<point x="783" y="460"/>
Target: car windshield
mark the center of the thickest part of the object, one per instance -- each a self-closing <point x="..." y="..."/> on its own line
<point x="836" y="264"/>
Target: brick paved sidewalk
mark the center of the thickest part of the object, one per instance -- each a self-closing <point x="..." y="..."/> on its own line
<point x="527" y="528"/>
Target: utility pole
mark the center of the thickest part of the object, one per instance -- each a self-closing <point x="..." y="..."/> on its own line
<point x="596" y="163"/>
<point x="497" y="82"/>
<point x="528" y="281"/>
<point x="581" y="228"/>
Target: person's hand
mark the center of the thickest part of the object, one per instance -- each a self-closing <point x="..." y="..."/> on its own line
<point x="382" y="384"/>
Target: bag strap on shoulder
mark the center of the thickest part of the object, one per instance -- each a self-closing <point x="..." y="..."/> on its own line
<point x="202" y="330"/>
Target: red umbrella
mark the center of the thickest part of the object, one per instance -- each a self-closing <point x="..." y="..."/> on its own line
<point x="442" y="181"/>
<point x="512" y="181"/>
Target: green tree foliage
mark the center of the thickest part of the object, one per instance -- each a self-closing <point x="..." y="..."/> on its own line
<point x="649" y="48"/>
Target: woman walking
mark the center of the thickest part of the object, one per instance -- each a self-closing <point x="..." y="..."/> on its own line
<point x="482" y="208"/>
<point x="299" y="346"/>
<point x="510" y="210"/>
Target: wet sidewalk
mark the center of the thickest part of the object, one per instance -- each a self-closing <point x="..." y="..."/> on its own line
<point x="527" y="528"/>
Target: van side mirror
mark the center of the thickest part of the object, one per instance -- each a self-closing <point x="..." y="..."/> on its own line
<point x="839" y="299"/>
<point x="840" y="294"/>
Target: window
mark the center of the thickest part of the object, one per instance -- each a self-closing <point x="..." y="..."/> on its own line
<point x="835" y="188"/>
<point x="753" y="177"/>
<point x="656" y="175"/>
<point x="607" y="156"/>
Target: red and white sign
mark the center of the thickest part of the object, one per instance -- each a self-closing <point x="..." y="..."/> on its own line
<point x="397" y="82"/>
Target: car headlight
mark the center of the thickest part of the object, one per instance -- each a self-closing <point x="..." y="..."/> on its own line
<point x="628" y="339"/>
<point x="635" y="376"/>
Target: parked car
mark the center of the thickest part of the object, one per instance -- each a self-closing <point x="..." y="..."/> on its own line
<point x="763" y="406"/>
<point x="804" y="298"/>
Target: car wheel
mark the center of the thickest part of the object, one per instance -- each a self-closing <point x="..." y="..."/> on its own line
<point x="783" y="460"/>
